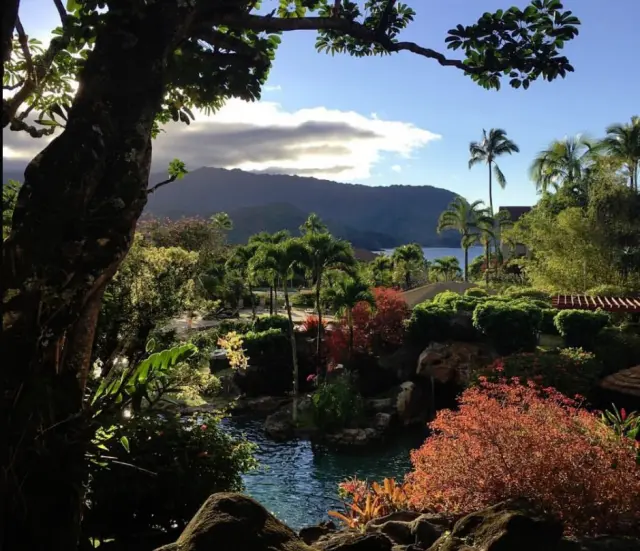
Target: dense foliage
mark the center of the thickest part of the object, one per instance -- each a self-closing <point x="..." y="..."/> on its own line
<point x="581" y="327"/>
<point x="509" y="441"/>
<point x="509" y="326"/>
<point x="336" y="404"/>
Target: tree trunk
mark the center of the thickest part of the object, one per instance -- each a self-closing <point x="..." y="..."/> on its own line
<point x="321" y="366"/>
<point x="407" y="279"/>
<point x="271" y="300"/>
<point x="487" y="260"/>
<point x="466" y="264"/>
<point x="73" y="224"/>
<point x="275" y="296"/>
<point x="9" y="15"/>
<point x="253" y="302"/>
<point x="294" y="353"/>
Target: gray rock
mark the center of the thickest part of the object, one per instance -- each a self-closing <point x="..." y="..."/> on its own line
<point x="233" y="522"/>
<point x="354" y="541"/>
<point x="279" y="425"/>
<point x="311" y="534"/>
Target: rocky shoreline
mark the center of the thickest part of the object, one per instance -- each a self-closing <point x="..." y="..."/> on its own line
<point x="234" y="522"/>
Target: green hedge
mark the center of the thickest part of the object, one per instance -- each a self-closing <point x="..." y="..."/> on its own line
<point x="456" y="302"/>
<point x="608" y="291"/>
<point x="429" y="322"/>
<point x="510" y="327"/>
<point x="476" y="292"/>
<point x="579" y="328"/>
<point x="617" y="350"/>
<point x="303" y="300"/>
<point x="527" y="292"/>
<point x="548" y="323"/>
<point x="263" y="323"/>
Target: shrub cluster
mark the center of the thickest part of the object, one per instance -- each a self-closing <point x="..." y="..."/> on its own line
<point x="337" y="404"/>
<point x="617" y="350"/>
<point x="428" y="322"/>
<point x="571" y="371"/>
<point x="303" y="300"/>
<point x="510" y="327"/>
<point x="579" y="328"/>
<point x="526" y="292"/>
<point x="476" y="292"/>
<point x="512" y="441"/>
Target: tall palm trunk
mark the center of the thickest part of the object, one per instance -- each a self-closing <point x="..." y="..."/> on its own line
<point x="294" y="352"/>
<point x="466" y="264"/>
<point x="275" y="295"/>
<point x="491" y="187"/>
<point x="253" y="302"/>
<point x="321" y="366"/>
<point x="73" y="224"/>
<point x="271" y="300"/>
<point x="487" y="260"/>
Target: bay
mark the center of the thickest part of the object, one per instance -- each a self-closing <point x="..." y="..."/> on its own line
<point x="432" y="253"/>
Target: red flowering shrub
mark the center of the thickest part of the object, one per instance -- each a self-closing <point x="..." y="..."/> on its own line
<point x="310" y="325"/>
<point x="571" y="370"/>
<point x="512" y="440"/>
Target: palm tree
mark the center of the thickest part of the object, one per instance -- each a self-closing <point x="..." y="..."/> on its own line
<point x="270" y="238"/>
<point x="344" y="294"/>
<point x="563" y="163"/>
<point x="281" y="259"/>
<point x="464" y="217"/>
<point x="222" y="220"/>
<point x="493" y="145"/>
<point x="623" y="143"/>
<point x="406" y="257"/>
<point x="313" y="225"/>
<point x="240" y="260"/>
<point x="447" y="266"/>
<point x="382" y="271"/>
<point x="326" y="253"/>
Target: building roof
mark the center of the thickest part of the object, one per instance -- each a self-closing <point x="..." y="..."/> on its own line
<point x="364" y="255"/>
<point x="516" y="212"/>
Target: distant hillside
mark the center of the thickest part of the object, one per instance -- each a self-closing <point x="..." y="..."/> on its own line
<point x="366" y="215"/>
<point x="370" y="217"/>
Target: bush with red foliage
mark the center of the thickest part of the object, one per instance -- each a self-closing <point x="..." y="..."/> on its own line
<point x="374" y="330"/>
<point x="310" y="325"/>
<point x="509" y="440"/>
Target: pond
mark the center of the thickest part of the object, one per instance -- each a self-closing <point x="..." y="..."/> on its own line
<point x="298" y="481"/>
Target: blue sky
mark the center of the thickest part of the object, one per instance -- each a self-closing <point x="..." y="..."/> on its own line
<point x="415" y="90"/>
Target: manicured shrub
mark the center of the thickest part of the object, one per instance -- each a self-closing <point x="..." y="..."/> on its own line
<point x="548" y="323"/>
<point x="446" y="298"/>
<point x="571" y="370"/>
<point x="263" y="323"/>
<point x="264" y="344"/>
<point x="516" y="441"/>
<point x="174" y="464"/>
<point x="617" y="350"/>
<point x="337" y="404"/>
<point x="476" y="292"/>
<point x="429" y="323"/>
<point x="579" y="328"/>
<point x="509" y="327"/>
<point x="303" y="300"/>
<point x="528" y="292"/>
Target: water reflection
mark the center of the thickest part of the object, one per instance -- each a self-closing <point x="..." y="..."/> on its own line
<point x="297" y="482"/>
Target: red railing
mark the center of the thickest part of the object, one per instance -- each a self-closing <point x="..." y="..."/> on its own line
<point x="609" y="304"/>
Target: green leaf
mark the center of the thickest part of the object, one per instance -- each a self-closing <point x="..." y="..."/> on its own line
<point x="125" y="443"/>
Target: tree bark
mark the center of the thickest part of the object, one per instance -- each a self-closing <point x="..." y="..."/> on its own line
<point x="9" y="15"/>
<point x="294" y="352"/>
<point x="321" y="366"/>
<point x="466" y="264"/>
<point x="72" y="226"/>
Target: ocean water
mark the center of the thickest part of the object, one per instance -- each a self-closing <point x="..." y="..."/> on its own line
<point x="431" y="253"/>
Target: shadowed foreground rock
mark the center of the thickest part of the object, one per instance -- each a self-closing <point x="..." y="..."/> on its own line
<point x="234" y="522"/>
<point x="509" y="526"/>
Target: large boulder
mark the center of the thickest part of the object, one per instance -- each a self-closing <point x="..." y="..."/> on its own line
<point x="311" y="534"/>
<point x="409" y="528"/>
<point x="452" y="363"/>
<point x="513" y="525"/>
<point x="402" y="362"/>
<point x="353" y="541"/>
<point x="412" y="404"/>
<point x="263" y="380"/>
<point x="233" y="522"/>
<point x="623" y="388"/>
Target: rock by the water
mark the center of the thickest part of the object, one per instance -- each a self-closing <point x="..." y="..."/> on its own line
<point x="412" y="405"/>
<point x="409" y="528"/>
<point x="402" y="362"/>
<point x="279" y="425"/>
<point x="452" y="362"/>
<point x="262" y="405"/>
<point x="353" y="541"/>
<point x="311" y="534"/>
<point x="509" y="526"/>
<point x="234" y="522"/>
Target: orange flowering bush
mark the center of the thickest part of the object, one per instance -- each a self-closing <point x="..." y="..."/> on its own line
<point x="509" y="440"/>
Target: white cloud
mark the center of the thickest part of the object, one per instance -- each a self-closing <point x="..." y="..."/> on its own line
<point x="266" y="137"/>
<point x="275" y="88"/>
<point x="396" y="168"/>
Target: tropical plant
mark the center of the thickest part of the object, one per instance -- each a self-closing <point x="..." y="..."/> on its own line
<point x="626" y="426"/>
<point x="623" y="144"/>
<point x="381" y="269"/>
<point x="518" y="441"/>
<point x="9" y="197"/>
<point x="280" y="260"/>
<point x="266" y="273"/>
<point x="466" y="218"/>
<point x="344" y="295"/>
<point x="581" y="327"/>
<point x="407" y="258"/>
<point x="240" y="260"/>
<point x="313" y="225"/>
<point x="494" y="144"/>
<point x="222" y="221"/>
<point x="446" y="267"/>
<point x="336" y="404"/>
<point x="325" y="253"/>
<point x="510" y="327"/>
<point x="563" y="163"/>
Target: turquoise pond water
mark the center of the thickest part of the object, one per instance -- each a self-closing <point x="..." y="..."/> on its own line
<point x="298" y="482"/>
